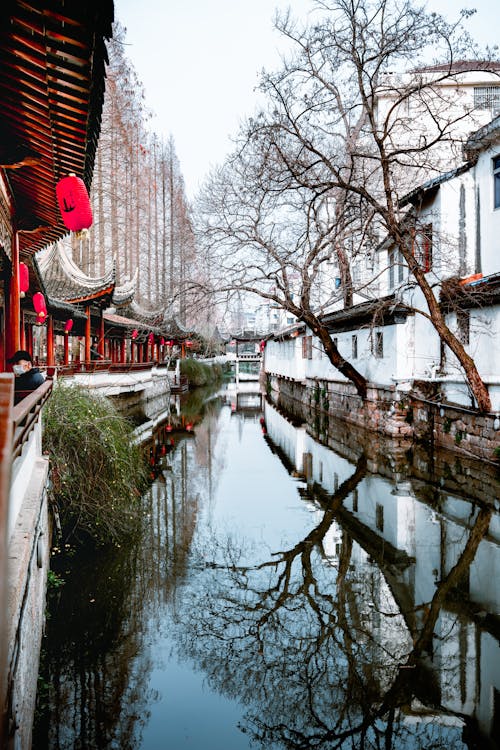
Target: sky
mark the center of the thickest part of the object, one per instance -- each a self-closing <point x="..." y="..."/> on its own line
<point x="199" y="62"/>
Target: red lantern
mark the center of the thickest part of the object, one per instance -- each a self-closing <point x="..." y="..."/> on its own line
<point x="170" y="344"/>
<point x="162" y="341"/>
<point x="189" y="344"/>
<point x="134" y="334"/>
<point x="74" y="203"/>
<point x="151" y="338"/>
<point x="39" y="305"/>
<point x="68" y="326"/>
<point x="24" y="278"/>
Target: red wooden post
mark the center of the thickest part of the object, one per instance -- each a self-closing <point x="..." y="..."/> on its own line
<point x="12" y="328"/>
<point x="100" y="337"/>
<point x="29" y="338"/>
<point x="66" y="348"/>
<point x="50" y="341"/>
<point x="183" y="350"/>
<point x="87" y="334"/>
<point x="123" y="351"/>
<point x="22" y="339"/>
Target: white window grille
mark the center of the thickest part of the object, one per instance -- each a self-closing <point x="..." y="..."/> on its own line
<point x="487" y="97"/>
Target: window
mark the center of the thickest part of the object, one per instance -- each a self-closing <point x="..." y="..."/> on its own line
<point x="463" y="326"/>
<point x="336" y="342"/>
<point x="307" y="351"/>
<point x="379" y="517"/>
<point x="487" y="97"/>
<point x="496" y="181"/>
<point x="307" y="465"/>
<point x="378" y="344"/>
<point x="354" y="347"/>
<point x="422" y="247"/>
<point x="396" y="268"/>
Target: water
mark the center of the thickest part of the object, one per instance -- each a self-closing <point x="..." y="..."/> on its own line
<point x="283" y="595"/>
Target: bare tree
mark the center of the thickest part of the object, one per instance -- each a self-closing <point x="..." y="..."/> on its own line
<point x="357" y="115"/>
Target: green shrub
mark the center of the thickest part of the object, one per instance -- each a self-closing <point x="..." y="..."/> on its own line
<point x="98" y="473"/>
<point x="199" y="373"/>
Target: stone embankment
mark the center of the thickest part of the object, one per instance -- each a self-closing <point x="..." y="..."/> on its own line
<point x="408" y="416"/>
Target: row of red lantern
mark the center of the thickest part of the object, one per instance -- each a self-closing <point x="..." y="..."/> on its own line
<point x="162" y="341"/>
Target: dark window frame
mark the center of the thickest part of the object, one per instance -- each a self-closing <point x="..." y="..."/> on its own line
<point x="496" y="181"/>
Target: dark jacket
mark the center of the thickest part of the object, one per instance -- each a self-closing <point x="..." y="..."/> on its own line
<point x="28" y="381"/>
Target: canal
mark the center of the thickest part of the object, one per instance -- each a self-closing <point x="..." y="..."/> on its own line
<point x="290" y="589"/>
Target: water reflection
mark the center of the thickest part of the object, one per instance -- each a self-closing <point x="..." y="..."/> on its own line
<point x="283" y="595"/>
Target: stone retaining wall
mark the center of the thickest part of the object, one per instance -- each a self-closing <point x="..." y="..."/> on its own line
<point x="394" y="414"/>
<point x="435" y="471"/>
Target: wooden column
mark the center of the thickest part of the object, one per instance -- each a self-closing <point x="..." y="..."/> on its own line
<point x="13" y="311"/>
<point x="100" y="337"/>
<point x="22" y="339"/>
<point x="87" y="334"/>
<point x="29" y="338"/>
<point x="66" y="348"/>
<point x="183" y="350"/>
<point x="123" y="351"/>
<point x="50" y="341"/>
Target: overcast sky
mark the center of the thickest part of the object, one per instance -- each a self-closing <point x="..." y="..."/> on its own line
<point x="199" y="61"/>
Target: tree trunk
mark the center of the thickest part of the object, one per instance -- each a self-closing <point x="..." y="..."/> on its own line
<point x="478" y="388"/>
<point x="346" y="368"/>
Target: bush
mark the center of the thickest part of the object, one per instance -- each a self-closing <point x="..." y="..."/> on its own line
<point x="98" y="473"/>
<point x="199" y="373"/>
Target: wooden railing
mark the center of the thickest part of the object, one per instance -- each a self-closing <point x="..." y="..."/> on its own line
<point x="6" y="400"/>
<point x="102" y="366"/>
<point x="26" y="414"/>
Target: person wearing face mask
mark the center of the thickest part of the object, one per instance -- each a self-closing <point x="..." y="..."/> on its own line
<point x="27" y="377"/>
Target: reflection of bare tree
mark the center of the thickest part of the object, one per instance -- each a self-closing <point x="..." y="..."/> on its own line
<point x="287" y="637"/>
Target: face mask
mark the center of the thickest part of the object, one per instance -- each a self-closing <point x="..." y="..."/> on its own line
<point x="18" y="369"/>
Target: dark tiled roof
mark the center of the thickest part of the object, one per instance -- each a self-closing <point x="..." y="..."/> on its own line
<point x="483" y="137"/>
<point x="415" y="195"/>
<point x="52" y="75"/>
<point x="376" y="312"/>
<point x="65" y="282"/>
<point x="461" y="66"/>
<point x="124" y="294"/>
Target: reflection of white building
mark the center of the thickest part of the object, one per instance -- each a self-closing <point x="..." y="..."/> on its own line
<point x="401" y="550"/>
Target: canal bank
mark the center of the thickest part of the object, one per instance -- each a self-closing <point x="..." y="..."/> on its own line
<point x="30" y="526"/>
<point x="417" y="415"/>
<point x="282" y="587"/>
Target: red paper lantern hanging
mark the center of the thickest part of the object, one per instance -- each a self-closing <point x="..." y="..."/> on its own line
<point x="24" y="279"/>
<point x="68" y="326"/>
<point x="40" y="307"/>
<point x="189" y="344"/>
<point x="162" y="341"/>
<point x="74" y="203"/>
<point x="151" y="338"/>
<point x="134" y="334"/>
<point x="170" y="344"/>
